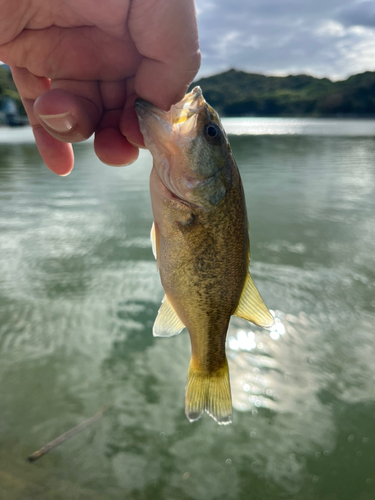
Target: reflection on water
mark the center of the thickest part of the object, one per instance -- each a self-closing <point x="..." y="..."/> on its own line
<point x="254" y="126"/>
<point x="300" y="126"/>
<point x="79" y="293"/>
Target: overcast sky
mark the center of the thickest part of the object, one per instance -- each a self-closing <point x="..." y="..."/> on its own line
<point x="333" y="38"/>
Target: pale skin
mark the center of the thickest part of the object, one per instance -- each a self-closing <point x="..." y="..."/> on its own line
<point x="80" y="64"/>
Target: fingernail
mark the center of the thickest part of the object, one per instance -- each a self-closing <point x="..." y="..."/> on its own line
<point x="136" y="145"/>
<point x="63" y="122"/>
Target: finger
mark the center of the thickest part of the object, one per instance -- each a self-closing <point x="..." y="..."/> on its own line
<point x="113" y="94"/>
<point x="82" y="53"/>
<point x="129" y="125"/>
<point x="71" y="110"/>
<point x="113" y="148"/>
<point x="166" y="34"/>
<point x="57" y="156"/>
<point x="110" y="145"/>
<point x="29" y="86"/>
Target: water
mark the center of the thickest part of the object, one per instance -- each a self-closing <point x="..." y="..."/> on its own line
<point x="79" y="293"/>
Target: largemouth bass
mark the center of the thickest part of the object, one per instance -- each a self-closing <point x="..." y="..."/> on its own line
<point x="201" y="243"/>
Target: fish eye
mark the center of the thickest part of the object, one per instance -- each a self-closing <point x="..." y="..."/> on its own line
<point x="212" y="132"/>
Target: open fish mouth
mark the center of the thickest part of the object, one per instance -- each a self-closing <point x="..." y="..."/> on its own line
<point x="163" y="127"/>
<point x="189" y="107"/>
<point x="173" y="138"/>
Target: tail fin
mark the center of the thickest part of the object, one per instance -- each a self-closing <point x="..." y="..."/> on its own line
<point x="209" y="392"/>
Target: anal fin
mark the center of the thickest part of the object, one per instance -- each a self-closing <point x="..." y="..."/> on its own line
<point x="167" y="322"/>
<point x="251" y="306"/>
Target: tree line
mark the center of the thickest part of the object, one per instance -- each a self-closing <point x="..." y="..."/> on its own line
<point x="8" y="89"/>
<point x="236" y="93"/>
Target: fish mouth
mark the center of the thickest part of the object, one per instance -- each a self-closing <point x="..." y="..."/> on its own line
<point x="169" y="135"/>
<point x="163" y="127"/>
<point x="189" y="107"/>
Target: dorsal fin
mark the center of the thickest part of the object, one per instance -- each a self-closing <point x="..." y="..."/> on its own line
<point x="167" y="322"/>
<point x="252" y="307"/>
<point x="155" y="243"/>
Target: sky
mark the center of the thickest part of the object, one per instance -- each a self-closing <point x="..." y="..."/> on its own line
<point x="323" y="38"/>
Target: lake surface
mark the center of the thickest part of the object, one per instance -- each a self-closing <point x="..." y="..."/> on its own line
<point x="79" y="292"/>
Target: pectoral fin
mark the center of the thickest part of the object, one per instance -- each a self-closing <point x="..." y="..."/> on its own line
<point x="167" y="322"/>
<point x="155" y="243"/>
<point x="252" y="307"/>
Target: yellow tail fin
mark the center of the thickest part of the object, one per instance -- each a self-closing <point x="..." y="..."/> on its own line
<point x="209" y="392"/>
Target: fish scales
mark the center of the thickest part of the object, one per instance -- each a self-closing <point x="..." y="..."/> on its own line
<point x="202" y="268"/>
<point x="201" y="242"/>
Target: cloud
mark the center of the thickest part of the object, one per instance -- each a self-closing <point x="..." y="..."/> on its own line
<point x="358" y="14"/>
<point x="318" y="37"/>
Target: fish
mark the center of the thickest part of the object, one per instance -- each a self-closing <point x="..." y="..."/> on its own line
<point x="200" y="239"/>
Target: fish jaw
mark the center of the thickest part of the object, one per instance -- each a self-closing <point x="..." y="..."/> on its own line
<point x="188" y="166"/>
<point x="161" y="130"/>
<point x="167" y="134"/>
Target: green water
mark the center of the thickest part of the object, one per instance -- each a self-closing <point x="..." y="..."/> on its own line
<point x="79" y="292"/>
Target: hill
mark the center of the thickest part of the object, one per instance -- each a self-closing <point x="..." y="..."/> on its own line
<point x="236" y="93"/>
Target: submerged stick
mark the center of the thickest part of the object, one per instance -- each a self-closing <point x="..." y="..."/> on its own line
<point x="67" y="435"/>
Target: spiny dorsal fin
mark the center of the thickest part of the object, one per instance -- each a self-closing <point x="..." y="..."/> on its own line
<point x="155" y="243"/>
<point x="167" y="322"/>
<point x="252" y="307"/>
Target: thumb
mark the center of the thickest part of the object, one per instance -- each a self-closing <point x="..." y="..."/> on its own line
<point x="70" y="111"/>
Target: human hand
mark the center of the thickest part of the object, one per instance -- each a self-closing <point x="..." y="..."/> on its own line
<point x="80" y="64"/>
